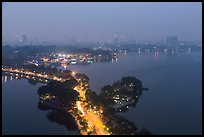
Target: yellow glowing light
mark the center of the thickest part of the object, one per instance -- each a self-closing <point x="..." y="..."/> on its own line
<point x="73" y="73"/>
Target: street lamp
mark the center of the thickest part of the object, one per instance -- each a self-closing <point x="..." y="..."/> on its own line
<point x="73" y="73"/>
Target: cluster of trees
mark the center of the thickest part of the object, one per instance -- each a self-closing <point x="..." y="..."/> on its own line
<point x="123" y="126"/>
<point x="83" y="78"/>
<point x="94" y="99"/>
<point x="58" y="116"/>
<point x="41" y="69"/>
<point x="52" y="71"/>
<point x="66" y="74"/>
<point x="131" y="80"/>
<point x="128" y="87"/>
<point x="63" y="91"/>
<point x="62" y="118"/>
<point x="79" y="116"/>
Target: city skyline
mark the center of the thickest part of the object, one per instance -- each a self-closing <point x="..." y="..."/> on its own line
<point x="93" y="22"/>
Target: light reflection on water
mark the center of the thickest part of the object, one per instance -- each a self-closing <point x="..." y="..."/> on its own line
<point x="7" y="78"/>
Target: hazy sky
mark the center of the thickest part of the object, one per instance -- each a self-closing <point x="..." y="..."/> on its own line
<point x="100" y="21"/>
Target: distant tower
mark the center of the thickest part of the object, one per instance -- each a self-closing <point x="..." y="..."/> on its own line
<point x="115" y="38"/>
<point x="24" y="38"/>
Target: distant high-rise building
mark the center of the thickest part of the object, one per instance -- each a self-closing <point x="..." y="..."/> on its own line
<point x="172" y="40"/>
<point x="116" y="38"/>
<point x="24" y="38"/>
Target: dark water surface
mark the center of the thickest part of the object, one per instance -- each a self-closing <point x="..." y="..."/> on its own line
<point x="20" y="112"/>
<point x="172" y="105"/>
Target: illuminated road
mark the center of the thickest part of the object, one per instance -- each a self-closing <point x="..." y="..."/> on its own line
<point x="31" y="75"/>
<point x="96" y="121"/>
<point x="93" y="118"/>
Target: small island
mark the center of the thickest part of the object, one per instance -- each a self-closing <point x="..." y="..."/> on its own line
<point x="122" y="94"/>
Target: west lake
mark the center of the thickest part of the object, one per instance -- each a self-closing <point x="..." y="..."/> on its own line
<point x="172" y="105"/>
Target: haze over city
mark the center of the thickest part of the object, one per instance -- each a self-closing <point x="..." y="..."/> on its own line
<point x="93" y="22"/>
<point x="102" y="68"/>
